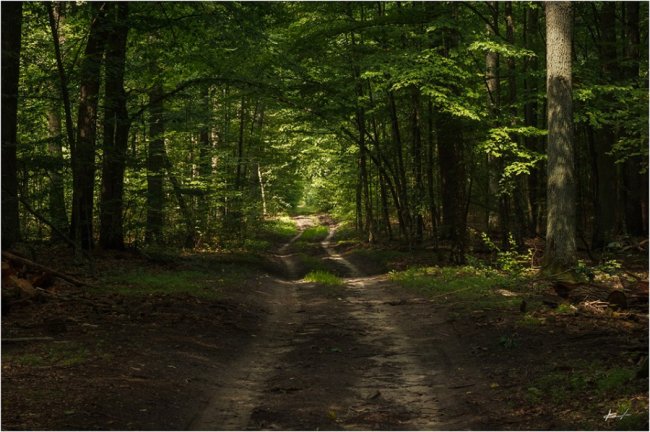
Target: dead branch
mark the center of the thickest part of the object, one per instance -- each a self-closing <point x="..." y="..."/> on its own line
<point x="15" y="258"/>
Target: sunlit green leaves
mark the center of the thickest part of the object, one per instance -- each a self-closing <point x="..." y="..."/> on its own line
<point x="504" y="49"/>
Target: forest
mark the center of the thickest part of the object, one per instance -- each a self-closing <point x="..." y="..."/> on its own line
<point x="274" y="206"/>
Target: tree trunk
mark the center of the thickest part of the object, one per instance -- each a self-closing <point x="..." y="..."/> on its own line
<point x="205" y="161"/>
<point x="400" y="177"/>
<point x="493" y="165"/>
<point x="155" y="165"/>
<point x="12" y="14"/>
<point x="417" y="166"/>
<point x="453" y="184"/>
<point x="116" y="133"/>
<point x="560" y="253"/>
<point x="55" y="17"/>
<point x="635" y="192"/>
<point x="604" y="165"/>
<point x="431" y="155"/>
<point x="535" y="180"/>
<point x="190" y="232"/>
<point x="83" y="152"/>
<point x="58" y="215"/>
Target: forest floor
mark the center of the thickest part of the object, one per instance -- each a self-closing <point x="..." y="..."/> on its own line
<point x="253" y="345"/>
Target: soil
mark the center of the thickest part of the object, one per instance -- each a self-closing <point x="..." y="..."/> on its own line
<point x="278" y="353"/>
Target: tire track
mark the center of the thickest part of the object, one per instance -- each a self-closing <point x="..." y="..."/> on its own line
<point x="240" y="386"/>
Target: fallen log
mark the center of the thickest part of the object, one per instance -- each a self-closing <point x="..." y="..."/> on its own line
<point x="17" y="259"/>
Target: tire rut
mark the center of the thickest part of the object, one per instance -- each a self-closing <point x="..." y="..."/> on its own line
<point x="239" y="387"/>
<point x="334" y="358"/>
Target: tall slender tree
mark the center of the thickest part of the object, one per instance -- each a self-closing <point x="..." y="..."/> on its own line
<point x="560" y="254"/>
<point x="83" y="150"/>
<point x="116" y="131"/>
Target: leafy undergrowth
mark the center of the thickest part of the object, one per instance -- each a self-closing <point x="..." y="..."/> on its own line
<point x="464" y="286"/>
<point x="566" y="367"/>
<point x="596" y="387"/>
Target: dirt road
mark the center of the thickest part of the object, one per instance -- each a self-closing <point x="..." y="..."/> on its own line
<point x="272" y="351"/>
<point x="356" y="356"/>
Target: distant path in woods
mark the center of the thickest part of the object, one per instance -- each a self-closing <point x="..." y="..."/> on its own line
<point x="352" y="357"/>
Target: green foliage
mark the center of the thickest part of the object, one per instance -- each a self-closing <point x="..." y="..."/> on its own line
<point x="142" y="282"/>
<point x="465" y="284"/>
<point x="584" y="378"/>
<point x="608" y="267"/>
<point x="510" y="260"/>
<point x="278" y="229"/>
<point x="323" y="278"/>
<point x="506" y="143"/>
<point x="315" y="233"/>
<point x="506" y="50"/>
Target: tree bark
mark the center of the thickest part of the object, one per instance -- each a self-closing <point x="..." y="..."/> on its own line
<point x="155" y="165"/>
<point x="431" y="155"/>
<point x="116" y="133"/>
<point x="417" y="166"/>
<point x="12" y="13"/>
<point x="57" y="209"/>
<point x="83" y="152"/>
<point x="560" y="253"/>
<point x="453" y="184"/>
<point x="400" y="177"/>
<point x="205" y="160"/>
<point x="531" y="66"/>
<point x="635" y="191"/>
<point x="604" y="165"/>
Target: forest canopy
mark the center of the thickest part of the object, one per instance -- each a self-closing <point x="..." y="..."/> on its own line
<point x="186" y="123"/>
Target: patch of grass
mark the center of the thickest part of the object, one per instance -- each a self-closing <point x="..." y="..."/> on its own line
<point x="151" y="281"/>
<point x="323" y="278"/>
<point x="315" y="233"/>
<point x="529" y="320"/>
<point x="607" y="386"/>
<point x="470" y="285"/>
<point x="614" y="379"/>
<point x="279" y="228"/>
<point x="61" y="354"/>
<point x="565" y="309"/>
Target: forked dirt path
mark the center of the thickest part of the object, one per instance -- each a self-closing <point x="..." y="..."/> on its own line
<point x="359" y="356"/>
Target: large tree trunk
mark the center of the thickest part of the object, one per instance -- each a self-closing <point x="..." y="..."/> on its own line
<point x="83" y="152"/>
<point x="12" y="14"/>
<point x="560" y="253"/>
<point x="155" y="165"/>
<point x="116" y="134"/>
